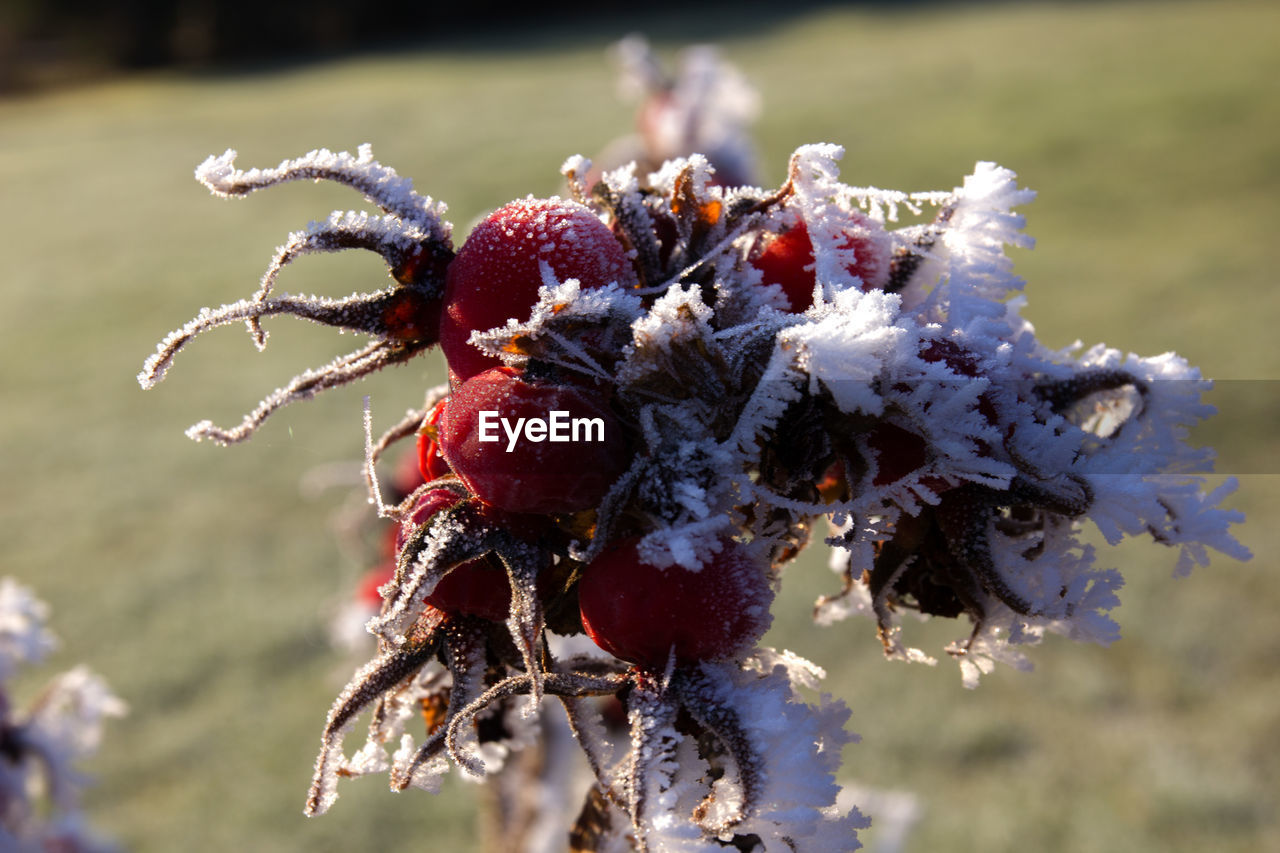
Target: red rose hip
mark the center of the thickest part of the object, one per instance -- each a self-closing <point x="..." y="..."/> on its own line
<point x="478" y="587"/>
<point x="531" y="447"/>
<point x="640" y="613"/>
<point x="431" y="463"/>
<point x="497" y="272"/>
<point x="787" y="259"/>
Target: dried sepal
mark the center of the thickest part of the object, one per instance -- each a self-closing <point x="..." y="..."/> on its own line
<point x="596" y="829"/>
<point x="464" y="650"/>
<point x="522" y="684"/>
<point x="722" y="723"/>
<point x="416" y="259"/>
<point x="341" y="371"/>
<point x="377" y="183"/>
<point x="370" y="683"/>
<point x="411" y="424"/>
<point x="412" y="238"/>
<point x="650" y="763"/>
<point x="524" y="563"/>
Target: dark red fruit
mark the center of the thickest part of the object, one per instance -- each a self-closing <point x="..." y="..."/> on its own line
<point x="529" y="474"/>
<point x="899" y="452"/>
<point x="788" y="260"/>
<point x="477" y="587"/>
<point x="431" y="462"/>
<point x="639" y="613"/>
<point x="956" y="357"/>
<point x="426" y="506"/>
<point x="497" y="272"/>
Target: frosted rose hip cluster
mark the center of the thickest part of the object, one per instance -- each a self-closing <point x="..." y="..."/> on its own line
<point x="662" y="389"/>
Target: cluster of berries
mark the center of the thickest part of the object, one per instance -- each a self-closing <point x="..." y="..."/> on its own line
<point x="658" y="388"/>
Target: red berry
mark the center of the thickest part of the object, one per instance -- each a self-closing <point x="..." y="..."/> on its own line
<point x="477" y="587"/>
<point x="496" y="275"/>
<point x="899" y="452"/>
<point x="531" y="447"/>
<point x="639" y="613"/>
<point x="423" y="510"/>
<point x="788" y="260"/>
<point x="956" y="357"/>
<point x="431" y="463"/>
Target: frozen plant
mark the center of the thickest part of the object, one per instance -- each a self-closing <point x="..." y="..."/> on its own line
<point x="751" y="368"/>
<point x="41" y="744"/>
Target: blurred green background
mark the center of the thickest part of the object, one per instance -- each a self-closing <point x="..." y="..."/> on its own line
<point x="199" y="580"/>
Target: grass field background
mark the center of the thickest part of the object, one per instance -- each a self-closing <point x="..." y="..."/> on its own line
<point x="198" y="580"/>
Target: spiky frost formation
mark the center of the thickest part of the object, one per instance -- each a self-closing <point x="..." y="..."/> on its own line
<point x="958" y="368"/>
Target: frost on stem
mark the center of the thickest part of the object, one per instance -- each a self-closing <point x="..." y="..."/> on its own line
<point x="776" y="364"/>
<point x="411" y="237"/>
<point x="379" y="185"/>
